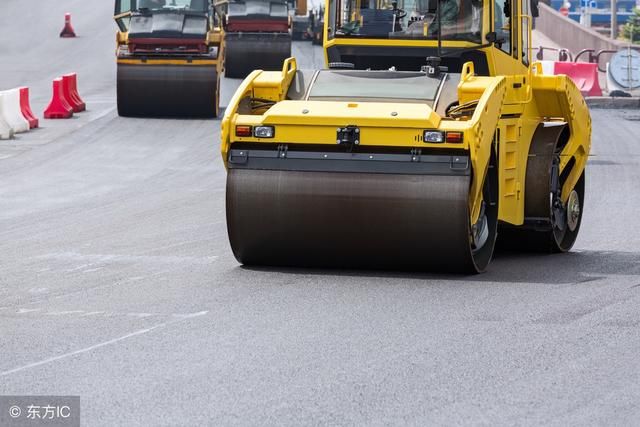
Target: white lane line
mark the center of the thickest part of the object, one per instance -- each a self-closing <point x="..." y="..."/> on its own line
<point x="62" y="313"/>
<point x="91" y="313"/>
<point x="102" y="344"/>
<point x="102" y="313"/>
<point x="90" y="260"/>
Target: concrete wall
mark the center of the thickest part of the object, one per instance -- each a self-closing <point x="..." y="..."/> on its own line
<point x="572" y="36"/>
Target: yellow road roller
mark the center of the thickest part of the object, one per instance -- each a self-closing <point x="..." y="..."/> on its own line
<point x="170" y="57"/>
<point x="430" y="136"/>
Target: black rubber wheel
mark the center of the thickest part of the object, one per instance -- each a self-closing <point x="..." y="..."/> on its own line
<point x="563" y="238"/>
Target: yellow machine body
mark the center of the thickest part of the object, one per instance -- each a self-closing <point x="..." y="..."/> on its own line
<point x="506" y="118"/>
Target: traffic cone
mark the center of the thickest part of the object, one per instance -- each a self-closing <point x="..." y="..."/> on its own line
<point x="67" y="31"/>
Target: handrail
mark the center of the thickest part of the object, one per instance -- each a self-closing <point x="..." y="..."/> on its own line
<point x="563" y="54"/>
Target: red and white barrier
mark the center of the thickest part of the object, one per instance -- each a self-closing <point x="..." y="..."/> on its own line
<point x="70" y="88"/>
<point x="66" y="100"/>
<point x="6" y="131"/>
<point x="59" y="107"/>
<point x="12" y="112"/>
<point x="25" y="106"/>
<point x="583" y="74"/>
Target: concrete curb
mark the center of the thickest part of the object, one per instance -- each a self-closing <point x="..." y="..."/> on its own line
<point x="607" y="102"/>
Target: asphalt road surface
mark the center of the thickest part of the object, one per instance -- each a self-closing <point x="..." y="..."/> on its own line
<point x="117" y="283"/>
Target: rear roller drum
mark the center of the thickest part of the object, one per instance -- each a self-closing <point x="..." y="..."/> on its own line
<point x="551" y="226"/>
<point x="255" y="51"/>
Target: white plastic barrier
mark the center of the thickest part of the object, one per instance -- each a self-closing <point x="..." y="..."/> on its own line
<point x="548" y="67"/>
<point x="6" y="131"/>
<point x="12" y="112"/>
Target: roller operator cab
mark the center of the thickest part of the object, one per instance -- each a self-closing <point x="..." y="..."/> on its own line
<point x="420" y="147"/>
<point x="382" y="34"/>
<point x="170" y="57"/>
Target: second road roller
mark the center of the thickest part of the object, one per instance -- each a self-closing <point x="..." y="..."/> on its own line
<point x="257" y="35"/>
<point x="170" y="58"/>
<point x="431" y="136"/>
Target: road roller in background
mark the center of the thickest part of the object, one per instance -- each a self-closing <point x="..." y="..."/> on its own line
<point x="300" y="25"/>
<point x="448" y="139"/>
<point x="257" y="35"/>
<point x="170" y="57"/>
<point x="317" y="26"/>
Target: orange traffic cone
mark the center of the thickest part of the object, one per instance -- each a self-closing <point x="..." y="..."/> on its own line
<point x="67" y="31"/>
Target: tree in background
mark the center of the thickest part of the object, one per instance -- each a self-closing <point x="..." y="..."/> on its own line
<point x="632" y="27"/>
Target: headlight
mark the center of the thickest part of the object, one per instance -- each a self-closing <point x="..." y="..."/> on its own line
<point x="263" y="131"/>
<point x="433" y="136"/>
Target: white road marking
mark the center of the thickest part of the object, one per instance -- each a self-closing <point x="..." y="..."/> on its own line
<point x="101" y="313"/>
<point x="80" y="267"/>
<point x="102" y="344"/>
<point x="91" y="313"/>
<point x="75" y="291"/>
<point x="93" y="259"/>
<point x="63" y="313"/>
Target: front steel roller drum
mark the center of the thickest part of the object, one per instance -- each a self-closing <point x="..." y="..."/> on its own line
<point x="245" y="52"/>
<point x="148" y="90"/>
<point x="350" y="220"/>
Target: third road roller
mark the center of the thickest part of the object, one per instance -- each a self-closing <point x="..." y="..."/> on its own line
<point x="170" y="57"/>
<point x="430" y="136"/>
